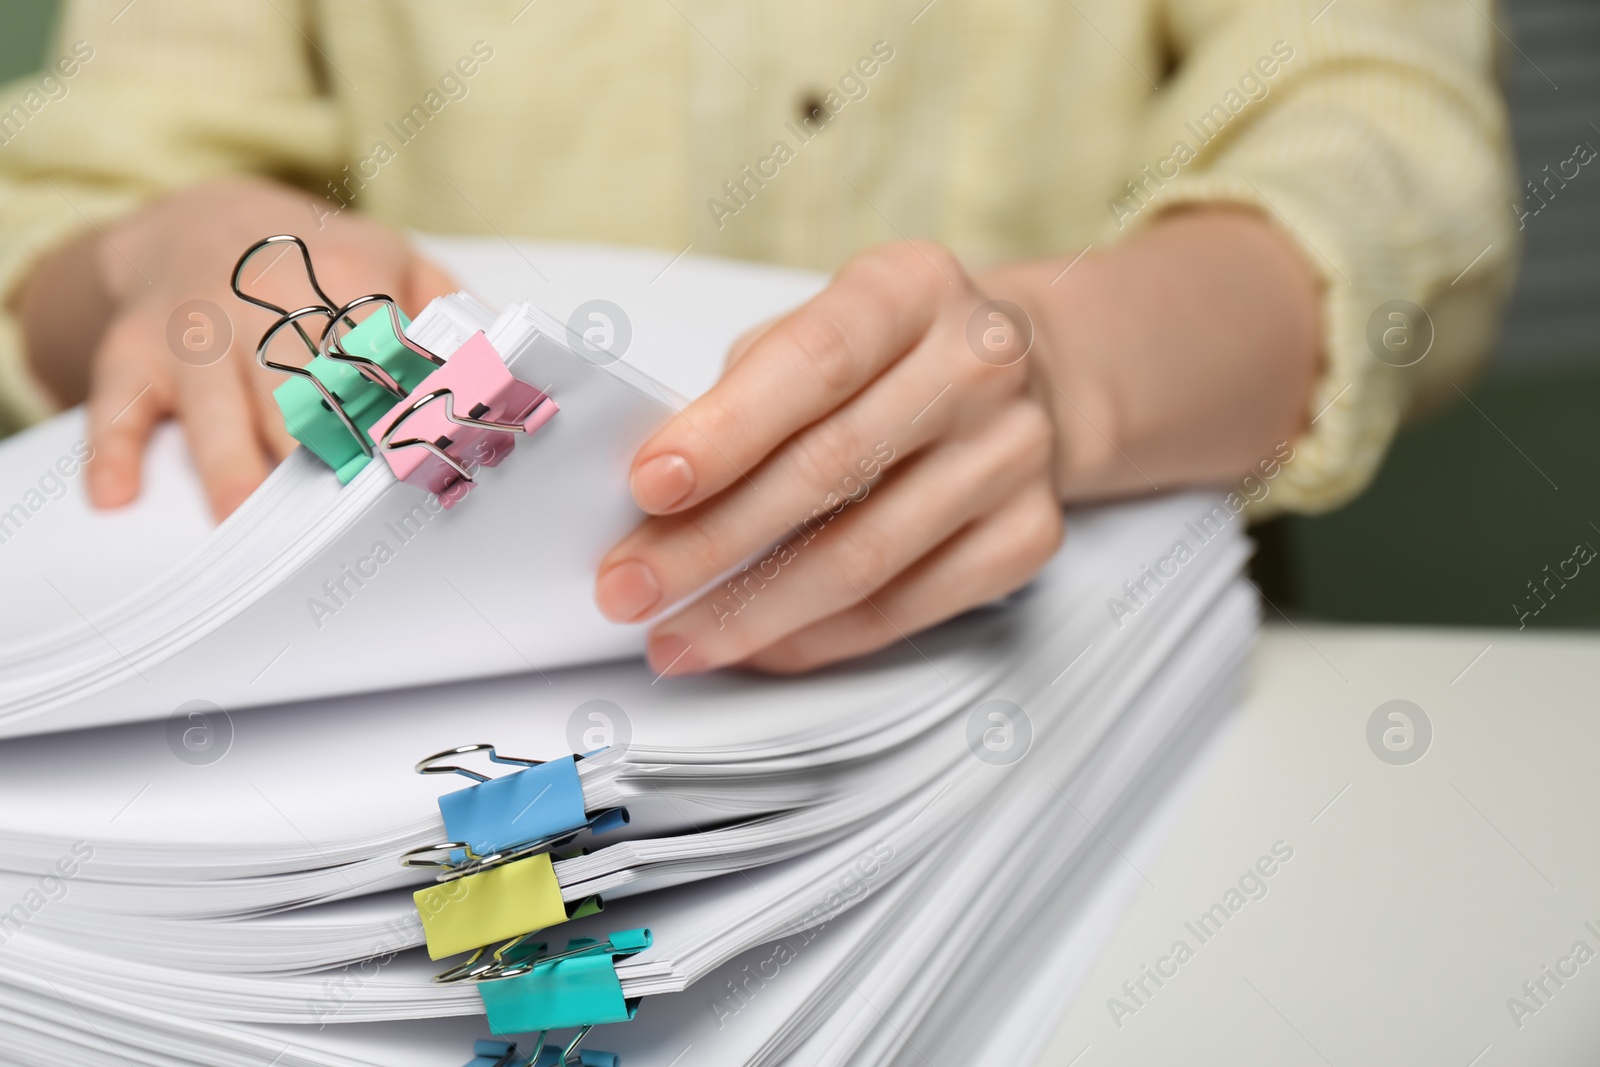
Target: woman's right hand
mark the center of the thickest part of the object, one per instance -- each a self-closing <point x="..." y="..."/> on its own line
<point x="171" y="338"/>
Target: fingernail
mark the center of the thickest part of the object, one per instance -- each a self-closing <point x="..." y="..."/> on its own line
<point x="627" y="591"/>
<point x="671" y="653"/>
<point x="661" y="482"/>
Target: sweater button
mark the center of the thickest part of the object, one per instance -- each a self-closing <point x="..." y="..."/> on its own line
<point x="812" y="107"/>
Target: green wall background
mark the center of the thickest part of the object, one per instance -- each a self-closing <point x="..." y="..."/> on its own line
<point x="1460" y="520"/>
<point x="24" y="29"/>
<point x="1458" y="523"/>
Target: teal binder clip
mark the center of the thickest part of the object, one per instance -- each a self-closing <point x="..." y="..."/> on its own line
<point x="330" y="404"/>
<point x="527" y="991"/>
<point x="368" y="371"/>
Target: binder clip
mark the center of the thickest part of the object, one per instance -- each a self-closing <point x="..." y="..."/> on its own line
<point x="504" y="1054"/>
<point x="497" y="880"/>
<point x="495" y="904"/>
<point x="495" y="1054"/>
<point x="526" y="988"/>
<point x="572" y="1056"/>
<point x="463" y="415"/>
<point x="329" y="404"/>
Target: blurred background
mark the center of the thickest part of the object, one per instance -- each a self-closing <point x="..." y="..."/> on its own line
<point x="1475" y="501"/>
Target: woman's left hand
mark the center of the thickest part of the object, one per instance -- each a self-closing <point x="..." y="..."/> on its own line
<point x="875" y="459"/>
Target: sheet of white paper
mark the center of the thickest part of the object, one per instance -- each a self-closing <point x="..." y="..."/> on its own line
<point x="60" y="557"/>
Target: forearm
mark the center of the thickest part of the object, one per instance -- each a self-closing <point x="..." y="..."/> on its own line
<point x="1180" y="357"/>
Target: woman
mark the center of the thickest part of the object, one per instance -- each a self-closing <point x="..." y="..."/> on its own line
<point x="1082" y="250"/>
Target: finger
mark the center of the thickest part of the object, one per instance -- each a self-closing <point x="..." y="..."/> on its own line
<point x="991" y="558"/>
<point x="425" y="280"/>
<point x="128" y="395"/>
<point x="907" y="407"/>
<point x="358" y="260"/>
<point x="744" y="341"/>
<point x="259" y="382"/>
<point x="220" y="422"/>
<point x="825" y="569"/>
<point x="816" y="358"/>
<point x="271" y="434"/>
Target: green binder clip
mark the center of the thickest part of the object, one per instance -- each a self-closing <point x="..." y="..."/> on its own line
<point x="330" y="404"/>
<point x="529" y="990"/>
<point x="367" y="372"/>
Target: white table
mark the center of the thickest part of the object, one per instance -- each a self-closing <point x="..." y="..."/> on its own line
<point x="1419" y="897"/>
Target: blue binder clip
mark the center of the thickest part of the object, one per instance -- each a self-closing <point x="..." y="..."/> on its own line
<point x="529" y="989"/>
<point x="495" y="821"/>
<point x="504" y="1054"/>
<point x="495" y="1054"/>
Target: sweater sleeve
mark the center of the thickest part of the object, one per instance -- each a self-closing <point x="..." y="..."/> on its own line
<point x="1374" y="136"/>
<point x="137" y="99"/>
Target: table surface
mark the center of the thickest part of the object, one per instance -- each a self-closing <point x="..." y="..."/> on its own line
<point x="1422" y="887"/>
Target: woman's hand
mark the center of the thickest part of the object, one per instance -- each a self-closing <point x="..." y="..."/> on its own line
<point x="877" y="453"/>
<point x="120" y="317"/>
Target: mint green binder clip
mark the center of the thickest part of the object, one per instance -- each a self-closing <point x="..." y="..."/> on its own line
<point x="330" y="404"/>
<point x="530" y="992"/>
<point x="394" y="368"/>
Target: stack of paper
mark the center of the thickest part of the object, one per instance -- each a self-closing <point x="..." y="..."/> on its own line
<point x="902" y="858"/>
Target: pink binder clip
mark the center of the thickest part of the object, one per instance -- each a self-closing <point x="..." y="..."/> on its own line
<point x="462" y="416"/>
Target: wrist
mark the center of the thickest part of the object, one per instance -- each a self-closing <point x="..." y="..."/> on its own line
<point x="1180" y="356"/>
